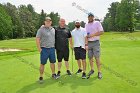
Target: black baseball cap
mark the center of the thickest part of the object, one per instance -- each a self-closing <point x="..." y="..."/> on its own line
<point x="90" y="14"/>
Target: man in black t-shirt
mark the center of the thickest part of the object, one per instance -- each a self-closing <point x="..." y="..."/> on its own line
<point x="62" y="36"/>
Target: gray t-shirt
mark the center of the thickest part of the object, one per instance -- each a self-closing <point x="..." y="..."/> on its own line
<point x="47" y="37"/>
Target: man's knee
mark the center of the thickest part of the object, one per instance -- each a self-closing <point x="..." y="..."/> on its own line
<point x="91" y="59"/>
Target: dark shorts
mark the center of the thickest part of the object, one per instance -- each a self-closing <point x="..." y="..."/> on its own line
<point x="62" y="54"/>
<point x="80" y="53"/>
<point x="47" y="53"/>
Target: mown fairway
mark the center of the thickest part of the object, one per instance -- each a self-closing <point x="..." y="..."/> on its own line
<point x="121" y="63"/>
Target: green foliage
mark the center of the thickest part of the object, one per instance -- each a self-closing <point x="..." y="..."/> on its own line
<point x="22" y="21"/>
<point x="83" y="24"/>
<point x="5" y="24"/>
<point x="12" y="11"/>
<point x="122" y="16"/>
<point x="55" y="18"/>
<point x="42" y="18"/>
<point x="71" y="25"/>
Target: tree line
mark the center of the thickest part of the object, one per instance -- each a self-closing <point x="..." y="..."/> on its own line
<point x="22" y="21"/>
<point x="123" y="16"/>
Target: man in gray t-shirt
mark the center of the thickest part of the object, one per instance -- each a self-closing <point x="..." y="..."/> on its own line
<point x="47" y="37"/>
<point x="45" y="40"/>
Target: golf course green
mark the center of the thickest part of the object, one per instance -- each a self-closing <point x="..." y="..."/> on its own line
<point x="120" y="57"/>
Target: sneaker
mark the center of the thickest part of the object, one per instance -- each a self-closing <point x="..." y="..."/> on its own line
<point x="40" y="79"/>
<point x="84" y="75"/>
<point x="99" y="75"/>
<point x="90" y="73"/>
<point x="54" y="76"/>
<point x="79" y="71"/>
<point x="68" y="72"/>
<point x="58" y="73"/>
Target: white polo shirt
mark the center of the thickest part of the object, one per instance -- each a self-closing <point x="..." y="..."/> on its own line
<point x="79" y="37"/>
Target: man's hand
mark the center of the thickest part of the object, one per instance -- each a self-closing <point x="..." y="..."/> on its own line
<point x="71" y="46"/>
<point x="91" y="35"/>
<point x="40" y="50"/>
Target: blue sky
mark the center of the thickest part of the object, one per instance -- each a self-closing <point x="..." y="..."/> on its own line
<point x="65" y="8"/>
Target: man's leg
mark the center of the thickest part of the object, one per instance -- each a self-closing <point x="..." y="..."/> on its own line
<point x="59" y="58"/>
<point x="79" y="64"/>
<point x="52" y="61"/>
<point x="84" y="69"/>
<point x="96" y="50"/>
<point x="91" y="63"/>
<point x="77" y="57"/>
<point x="83" y="57"/>
<point x="90" y="54"/>
<point x="84" y="65"/>
<point x="52" y="66"/>
<point x="41" y="70"/>
<point x="43" y="57"/>
<point x="59" y="66"/>
<point x="67" y="65"/>
<point x="98" y="63"/>
<point x="66" y="58"/>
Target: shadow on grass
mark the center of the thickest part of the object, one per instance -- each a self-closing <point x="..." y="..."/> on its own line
<point x="74" y="81"/>
<point x="35" y="85"/>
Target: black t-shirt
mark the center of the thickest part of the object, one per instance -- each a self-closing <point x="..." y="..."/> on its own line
<point x="61" y="38"/>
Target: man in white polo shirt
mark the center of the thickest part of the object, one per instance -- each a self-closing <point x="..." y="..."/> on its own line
<point x="80" y="44"/>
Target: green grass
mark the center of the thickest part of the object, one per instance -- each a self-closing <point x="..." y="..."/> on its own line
<point x="120" y="54"/>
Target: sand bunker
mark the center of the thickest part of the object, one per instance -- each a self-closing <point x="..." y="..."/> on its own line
<point x="9" y="50"/>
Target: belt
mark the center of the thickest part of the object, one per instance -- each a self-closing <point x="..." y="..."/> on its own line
<point x="93" y="41"/>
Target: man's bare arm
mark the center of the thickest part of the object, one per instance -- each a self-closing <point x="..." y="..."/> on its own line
<point x="86" y="40"/>
<point x="96" y="34"/>
<point x="38" y="44"/>
<point x="71" y="43"/>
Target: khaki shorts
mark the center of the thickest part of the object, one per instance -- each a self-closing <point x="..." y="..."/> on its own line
<point x="94" y="49"/>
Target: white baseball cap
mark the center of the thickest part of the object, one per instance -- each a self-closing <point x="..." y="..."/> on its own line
<point x="77" y="21"/>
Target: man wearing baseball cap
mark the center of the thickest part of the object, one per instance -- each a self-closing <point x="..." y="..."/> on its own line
<point x="94" y="30"/>
<point x="80" y="44"/>
<point x="45" y="40"/>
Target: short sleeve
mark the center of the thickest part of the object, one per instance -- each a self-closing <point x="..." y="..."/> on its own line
<point x="38" y="33"/>
<point x="72" y="33"/>
<point x="85" y="26"/>
<point x="100" y="27"/>
<point x="84" y="31"/>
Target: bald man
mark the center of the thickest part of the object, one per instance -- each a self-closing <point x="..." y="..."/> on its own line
<point x="62" y="36"/>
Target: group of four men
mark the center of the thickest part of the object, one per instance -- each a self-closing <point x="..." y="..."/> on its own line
<point x="48" y="39"/>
